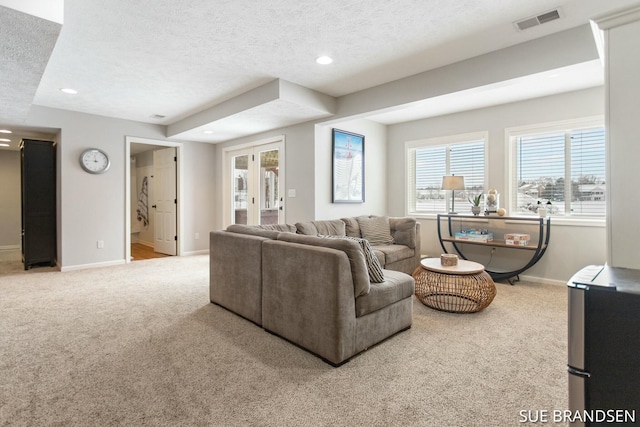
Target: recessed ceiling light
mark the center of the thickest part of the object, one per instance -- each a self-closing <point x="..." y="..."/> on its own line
<point x="324" y="60"/>
<point x="69" y="90"/>
<point x="5" y="131"/>
<point x="5" y="140"/>
<point x="4" y="145"/>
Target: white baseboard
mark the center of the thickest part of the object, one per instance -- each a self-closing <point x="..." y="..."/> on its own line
<point x="202" y="252"/>
<point x="93" y="265"/>
<point x="543" y="280"/>
<point x="9" y="247"/>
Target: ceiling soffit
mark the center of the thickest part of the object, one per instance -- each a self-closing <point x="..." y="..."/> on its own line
<point x="276" y="104"/>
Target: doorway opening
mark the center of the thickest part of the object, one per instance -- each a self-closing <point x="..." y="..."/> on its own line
<point x="153" y="208"/>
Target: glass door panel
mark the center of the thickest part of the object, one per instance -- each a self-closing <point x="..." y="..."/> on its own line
<point x="240" y="168"/>
<point x="270" y="202"/>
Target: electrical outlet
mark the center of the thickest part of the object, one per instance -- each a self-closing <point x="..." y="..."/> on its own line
<point x="100" y="244"/>
<point x="197" y="236"/>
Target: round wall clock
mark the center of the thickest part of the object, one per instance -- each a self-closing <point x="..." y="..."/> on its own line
<point x="94" y="161"/>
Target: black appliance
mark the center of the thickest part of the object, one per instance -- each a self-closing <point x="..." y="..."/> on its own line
<point x="604" y="346"/>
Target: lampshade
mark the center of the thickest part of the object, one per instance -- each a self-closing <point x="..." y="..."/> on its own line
<point x="453" y="182"/>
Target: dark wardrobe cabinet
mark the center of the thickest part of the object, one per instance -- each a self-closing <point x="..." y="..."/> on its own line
<point x="38" y="177"/>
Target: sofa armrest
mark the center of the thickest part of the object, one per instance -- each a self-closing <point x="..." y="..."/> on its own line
<point x="308" y="298"/>
<point x="235" y="273"/>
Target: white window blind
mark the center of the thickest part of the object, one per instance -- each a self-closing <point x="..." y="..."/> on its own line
<point x="428" y="163"/>
<point x="588" y="172"/>
<point x="566" y="168"/>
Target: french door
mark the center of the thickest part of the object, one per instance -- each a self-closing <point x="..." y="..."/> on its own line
<point x="256" y="175"/>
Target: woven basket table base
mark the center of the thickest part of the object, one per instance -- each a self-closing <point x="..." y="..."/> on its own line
<point x="455" y="293"/>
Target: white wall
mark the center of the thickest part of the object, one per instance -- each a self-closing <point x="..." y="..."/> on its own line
<point x="199" y="195"/>
<point x="92" y="207"/>
<point x="308" y="170"/>
<point x="375" y="165"/>
<point x="571" y="247"/>
<point x="10" y="200"/>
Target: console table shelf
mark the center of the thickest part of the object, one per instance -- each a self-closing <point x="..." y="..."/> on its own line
<point x="541" y="228"/>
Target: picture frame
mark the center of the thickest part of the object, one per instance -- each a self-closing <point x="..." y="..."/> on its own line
<point x="348" y="167"/>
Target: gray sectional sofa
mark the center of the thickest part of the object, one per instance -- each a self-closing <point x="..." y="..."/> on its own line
<point x="315" y="291"/>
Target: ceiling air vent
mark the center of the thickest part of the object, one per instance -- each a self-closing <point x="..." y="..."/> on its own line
<point x="534" y="21"/>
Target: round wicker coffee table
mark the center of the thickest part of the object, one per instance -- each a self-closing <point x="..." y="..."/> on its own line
<point x="463" y="288"/>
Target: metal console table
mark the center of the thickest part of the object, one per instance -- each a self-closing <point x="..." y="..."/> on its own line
<point x="537" y="249"/>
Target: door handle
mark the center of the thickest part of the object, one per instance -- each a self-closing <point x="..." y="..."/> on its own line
<point x="154" y="206"/>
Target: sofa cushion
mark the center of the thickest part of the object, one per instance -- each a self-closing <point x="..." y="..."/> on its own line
<point x="267" y="230"/>
<point x="361" y="283"/>
<point x="373" y="264"/>
<point x="403" y="231"/>
<point x="396" y="287"/>
<point x="334" y="227"/>
<point x="287" y="228"/>
<point x="351" y="227"/>
<point x="254" y="231"/>
<point x="375" y="229"/>
<point x="393" y="253"/>
<point x="380" y="255"/>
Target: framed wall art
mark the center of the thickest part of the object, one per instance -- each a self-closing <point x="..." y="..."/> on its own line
<point x="348" y="167"/>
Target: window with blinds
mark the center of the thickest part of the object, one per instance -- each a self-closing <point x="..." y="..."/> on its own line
<point x="428" y="161"/>
<point x="565" y="167"/>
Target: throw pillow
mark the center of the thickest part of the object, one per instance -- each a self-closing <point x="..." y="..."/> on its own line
<point x="373" y="264"/>
<point x="375" y="229"/>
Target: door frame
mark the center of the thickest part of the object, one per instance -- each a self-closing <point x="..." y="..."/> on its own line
<point x="227" y="175"/>
<point x="179" y="190"/>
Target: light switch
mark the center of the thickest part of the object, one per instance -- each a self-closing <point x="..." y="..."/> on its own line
<point x="291" y="192"/>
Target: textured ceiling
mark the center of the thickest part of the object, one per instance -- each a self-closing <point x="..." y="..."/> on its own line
<point x="180" y="58"/>
<point x="26" y="43"/>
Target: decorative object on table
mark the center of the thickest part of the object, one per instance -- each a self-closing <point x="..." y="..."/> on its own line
<point x="474" y="235"/>
<point x="501" y="211"/>
<point x="475" y="204"/>
<point x="453" y="183"/>
<point x="448" y="260"/>
<point x="348" y="167"/>
<point x="491" y="202"/>
<point x="541" y="208"/>
<point x="464" y="288"/>
<point x="517" y="239"/>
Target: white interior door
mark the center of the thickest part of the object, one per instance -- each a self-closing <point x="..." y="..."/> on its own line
<point x="256" y="176"/>
<point x="164" y="201"/>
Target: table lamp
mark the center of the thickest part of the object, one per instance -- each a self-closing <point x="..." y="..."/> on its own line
<point x="452" y="183"/>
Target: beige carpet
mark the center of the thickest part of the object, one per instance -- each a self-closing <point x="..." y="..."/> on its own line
<point x="140" y="344"/>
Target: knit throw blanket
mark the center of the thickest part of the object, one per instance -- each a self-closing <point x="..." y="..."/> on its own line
<point x="143" y="199"/>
